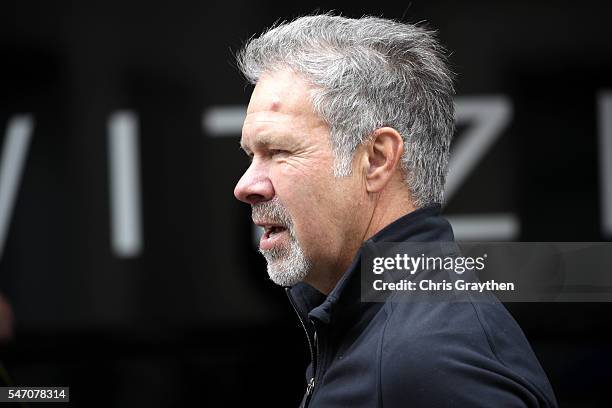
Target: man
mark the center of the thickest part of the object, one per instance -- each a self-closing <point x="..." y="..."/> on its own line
<point x="348" y="129"/>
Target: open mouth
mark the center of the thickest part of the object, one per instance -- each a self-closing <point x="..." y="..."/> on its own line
<point x="271" y="231"/>
<point x="271" y="236"/>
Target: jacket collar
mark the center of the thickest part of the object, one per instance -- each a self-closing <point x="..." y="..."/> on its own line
<point x="422" y="225"/>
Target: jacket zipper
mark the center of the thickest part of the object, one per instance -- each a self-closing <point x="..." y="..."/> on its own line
<point x="311" y="382"/>
<point x="317" y="360"/>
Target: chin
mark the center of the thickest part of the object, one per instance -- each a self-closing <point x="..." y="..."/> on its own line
<point x="286" y="276"/>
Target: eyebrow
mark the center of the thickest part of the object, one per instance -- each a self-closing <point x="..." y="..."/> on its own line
<point x="264" y="140"/>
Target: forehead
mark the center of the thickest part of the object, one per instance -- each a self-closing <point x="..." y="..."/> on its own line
<point x="280" y="104"/>
<point x="281" y="91"/>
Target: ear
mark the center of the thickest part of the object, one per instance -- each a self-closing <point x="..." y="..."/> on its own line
<point x="383" y="156"/>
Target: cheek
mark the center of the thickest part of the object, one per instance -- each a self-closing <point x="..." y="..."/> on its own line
<point x="310" y="198"/>
<point x="311" y="182"/>
<point x="299" y="193"/>
<point x="319" y="207"/>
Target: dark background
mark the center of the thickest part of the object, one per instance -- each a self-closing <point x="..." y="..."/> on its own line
<point x="193" y="319"/>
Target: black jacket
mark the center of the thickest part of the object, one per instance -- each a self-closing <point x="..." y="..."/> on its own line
<point x="390" y="354"/>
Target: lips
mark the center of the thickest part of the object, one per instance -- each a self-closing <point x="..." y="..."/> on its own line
<point x="270" y="231"/>
<point x="273" y="233"/>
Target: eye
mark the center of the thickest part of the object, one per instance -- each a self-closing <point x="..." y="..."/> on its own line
<point x="278" y="152"/>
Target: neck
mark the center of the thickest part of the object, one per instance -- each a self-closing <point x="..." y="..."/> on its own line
<point x="388" y="207"/>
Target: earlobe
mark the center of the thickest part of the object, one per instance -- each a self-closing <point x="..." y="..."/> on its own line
<point x="384" y="152"/>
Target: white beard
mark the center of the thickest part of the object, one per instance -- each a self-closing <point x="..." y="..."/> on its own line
<point x="286" y="265"/>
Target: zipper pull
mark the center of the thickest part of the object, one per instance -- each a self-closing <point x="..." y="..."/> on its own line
<point x="310" y="386"/>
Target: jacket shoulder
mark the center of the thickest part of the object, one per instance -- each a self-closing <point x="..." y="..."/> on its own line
<point x="458" y="354"/>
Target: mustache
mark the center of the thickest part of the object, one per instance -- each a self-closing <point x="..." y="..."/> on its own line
<point x="271" y="211"/>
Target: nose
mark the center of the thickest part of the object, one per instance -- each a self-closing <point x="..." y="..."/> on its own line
<point x="254" y="186"/>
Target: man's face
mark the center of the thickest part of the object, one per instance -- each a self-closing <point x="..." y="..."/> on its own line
<point x="311" y="218"/>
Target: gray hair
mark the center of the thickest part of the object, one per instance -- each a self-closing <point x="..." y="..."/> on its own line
<point x="368" y="73"/>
